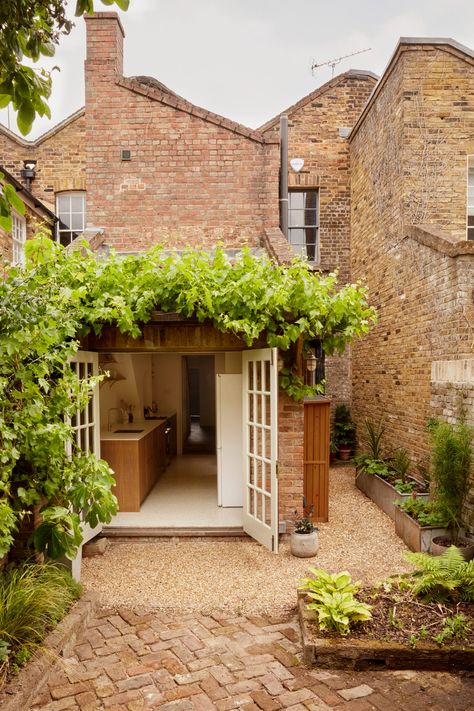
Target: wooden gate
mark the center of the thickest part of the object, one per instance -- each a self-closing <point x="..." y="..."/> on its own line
<point x="316" y="457"/>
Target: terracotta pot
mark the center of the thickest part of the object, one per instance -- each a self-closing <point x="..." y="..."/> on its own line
<point x="438" y="548"/>
<point x="304" y="545"/>
<point x="344" y="453"/>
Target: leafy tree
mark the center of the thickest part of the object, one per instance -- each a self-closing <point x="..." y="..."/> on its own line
<point x="61" y="296"/>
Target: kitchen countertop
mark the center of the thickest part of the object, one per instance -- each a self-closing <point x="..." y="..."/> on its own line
<point x="145" y="425"/>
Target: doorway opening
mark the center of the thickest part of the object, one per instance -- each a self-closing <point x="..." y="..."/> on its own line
<point x="174" y="399"/>
<point x="199" y="405"/>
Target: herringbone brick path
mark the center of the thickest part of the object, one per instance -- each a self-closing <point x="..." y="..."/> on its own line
<point x="132" y="662"/>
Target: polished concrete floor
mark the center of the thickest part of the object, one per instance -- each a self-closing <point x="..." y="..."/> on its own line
<point x="184" y="497"/>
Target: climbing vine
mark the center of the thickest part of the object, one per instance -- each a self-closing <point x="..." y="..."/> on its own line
<point x="60" y="296"/>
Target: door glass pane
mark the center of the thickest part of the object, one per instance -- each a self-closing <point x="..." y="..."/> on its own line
<point x="258" y="384"/>
<point x="267" y="377"/>
<point x="250" y="374"/>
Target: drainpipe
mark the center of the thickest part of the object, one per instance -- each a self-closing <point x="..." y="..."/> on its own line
<point x="284" y="175"/>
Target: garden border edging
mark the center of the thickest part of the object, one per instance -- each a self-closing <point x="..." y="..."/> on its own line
<point x="20" y="692"/>
<point x="363" y="655"/>
<point x="382" y="493"/>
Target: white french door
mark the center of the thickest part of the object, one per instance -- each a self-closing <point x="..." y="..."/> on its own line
<point x="86" y="422"/>
<point x="260" y="444"/>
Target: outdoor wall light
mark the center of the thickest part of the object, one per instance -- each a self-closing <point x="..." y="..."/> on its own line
<point x="297" y="164"/>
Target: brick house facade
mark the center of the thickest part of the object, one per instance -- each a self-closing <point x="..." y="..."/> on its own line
<point x="409" y="160"/>
<point x="391" y="208"/>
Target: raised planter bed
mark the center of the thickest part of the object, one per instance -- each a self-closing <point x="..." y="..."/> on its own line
<point x="382" y="492"/>
<point x="359" y="655"/>
<point x="20" y="691"/>
<point x="417" y="538"/>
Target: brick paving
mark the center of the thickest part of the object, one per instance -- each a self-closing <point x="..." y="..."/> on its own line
<point x="136" y="661"/>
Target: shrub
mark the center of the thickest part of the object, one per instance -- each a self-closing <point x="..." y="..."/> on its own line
<point x="401" y="463"/>
<point x="374" y="436"/>
<point x="451" y="464"/>
<point x="344" y="427"/>
<point x="334" y="600"/>
<point x="32" y="598"/>
<point x="447" y="577"/>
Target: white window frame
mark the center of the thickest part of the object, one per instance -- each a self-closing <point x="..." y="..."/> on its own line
<point x="469" y="197"/>
<point x="18" y="239"/>
<point x="302" y="248"/>
<point x="65" y="232"/>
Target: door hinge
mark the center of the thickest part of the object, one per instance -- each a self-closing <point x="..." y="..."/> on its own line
<point x="277" y="467"/>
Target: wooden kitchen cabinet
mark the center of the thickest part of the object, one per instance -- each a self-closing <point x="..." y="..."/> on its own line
<point x="137" y="464"/>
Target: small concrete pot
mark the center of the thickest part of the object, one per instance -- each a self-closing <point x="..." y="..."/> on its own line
<point x="304" y="545"/>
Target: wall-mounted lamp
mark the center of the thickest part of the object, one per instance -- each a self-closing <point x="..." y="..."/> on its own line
<point x="297" y="164"/>
<point x="28" y="171"/>
<point x="311" y="362"/>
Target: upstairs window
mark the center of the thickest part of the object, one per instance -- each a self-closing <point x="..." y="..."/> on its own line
<point x="470" y="198"/>
<point x="18" y="239"/>
<point x="71" y="212"/>
<point x="303" y="223"/>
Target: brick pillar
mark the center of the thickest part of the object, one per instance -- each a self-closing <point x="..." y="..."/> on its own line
<point x="104" y="59"/>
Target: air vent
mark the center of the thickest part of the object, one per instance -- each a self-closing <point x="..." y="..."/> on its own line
<point x="126" y="154"/>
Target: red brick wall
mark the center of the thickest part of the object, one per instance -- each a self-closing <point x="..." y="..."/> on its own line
<point x="290" y="458"/>
<point x="190" y="181"/>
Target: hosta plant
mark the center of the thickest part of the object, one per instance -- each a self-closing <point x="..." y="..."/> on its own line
<point x="334" y="600"/>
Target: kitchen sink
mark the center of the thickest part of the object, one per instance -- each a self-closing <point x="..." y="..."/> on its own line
<point x="126" y="431"/>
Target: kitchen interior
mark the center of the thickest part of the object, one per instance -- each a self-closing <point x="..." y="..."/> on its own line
<point x="171" y="429"/>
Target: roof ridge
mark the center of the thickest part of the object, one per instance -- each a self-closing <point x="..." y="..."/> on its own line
<point x="182" y="104"/>
<point x="334" y="81"/>
<point x="44" y="136"/>
<point x="402" y="45"/>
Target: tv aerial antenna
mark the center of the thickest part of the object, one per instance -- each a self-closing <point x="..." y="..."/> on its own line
<point x="334" y="62"/>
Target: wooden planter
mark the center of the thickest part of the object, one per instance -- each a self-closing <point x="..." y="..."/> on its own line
<point x="382" y="492"/>
<point x="417" y="538"/>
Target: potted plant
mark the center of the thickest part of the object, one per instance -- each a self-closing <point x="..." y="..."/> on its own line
<point x="344" y="432"/>
<point x="451" y="466"/>
<point x="304" y="540"/>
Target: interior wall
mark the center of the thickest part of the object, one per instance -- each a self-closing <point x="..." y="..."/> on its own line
<point x="166" y="387"/>
<point x="135" y="369"/>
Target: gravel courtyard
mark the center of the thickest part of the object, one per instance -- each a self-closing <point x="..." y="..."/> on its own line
<point x="239" y="575"/>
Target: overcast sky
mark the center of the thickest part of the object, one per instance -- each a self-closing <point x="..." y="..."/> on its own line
<point x="250" y="59"/>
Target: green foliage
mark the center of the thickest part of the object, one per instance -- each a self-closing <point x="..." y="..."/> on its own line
<point x="401" y="463"/>
<point x="32" y="598"/>
<point x="304" y="524"/>
<point x="364" y="462"/>
<point x="404" y="487"/>
<point x="451" y="465"/>
<point x="424" y="512"/>
<point x="374" y="432"/>
<point x="59" y="296"/>
<point x="455" y="627"/>
<point x="334" y="600"/>
<point x="344" y="428"/>
<point x="31" y="29"/>
<point x="447" y="577"/>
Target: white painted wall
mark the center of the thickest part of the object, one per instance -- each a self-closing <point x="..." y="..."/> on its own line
<point x="166" y="387"/>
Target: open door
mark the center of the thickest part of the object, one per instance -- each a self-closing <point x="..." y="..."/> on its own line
<point x="86" y="425"/>
<point x="260" y="443"/>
